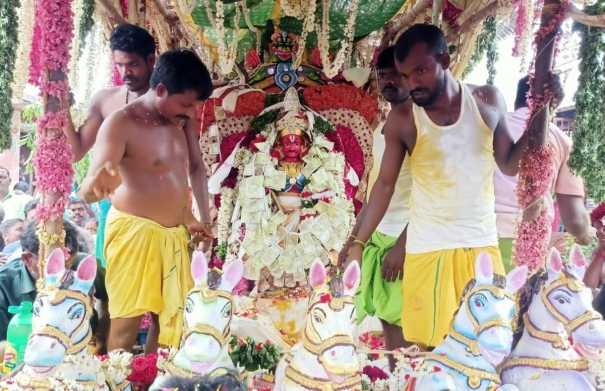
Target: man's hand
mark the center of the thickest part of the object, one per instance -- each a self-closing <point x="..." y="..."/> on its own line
<point x="342" y="255"/>
<point x="392" y="267"/>
<point x="105" y="181"/>
<point x="554" y="88"/>
<point x="588" y="237"/>
<point x="355" y="254"/>
<point x="199" y="231"/>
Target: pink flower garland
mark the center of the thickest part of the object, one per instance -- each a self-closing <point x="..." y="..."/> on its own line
<point x="35" y="70"/>
<point x="536" y="173"/>
<point x="53" y="157"/>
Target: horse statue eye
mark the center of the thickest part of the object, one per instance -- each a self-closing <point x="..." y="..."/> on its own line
<point x="478" y="303"/>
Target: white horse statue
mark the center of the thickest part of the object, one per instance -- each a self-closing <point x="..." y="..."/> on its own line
<point x="480" y="336"/>
<point x="561" y="330"/>
<point x="56" y="356"/>
<point x="326" y="358"/>
<point x="204" y="344"/>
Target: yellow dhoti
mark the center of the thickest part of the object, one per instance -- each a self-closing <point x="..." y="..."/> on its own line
<point x="432" y="287"/>
<point x="148" y="269"/>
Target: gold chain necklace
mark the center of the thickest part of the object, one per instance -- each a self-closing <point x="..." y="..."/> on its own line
<point x="546" y="363"/>
<point x="475" y="376"/>
<point x="314" y="384"/>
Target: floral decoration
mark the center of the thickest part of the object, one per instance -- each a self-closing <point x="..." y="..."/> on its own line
<point x="8" y="50"/>
<point x="26" y="30"/>
<point x="586" y="157"/>
<point x="144" y="370"/>
<point x="341" y="96"/>
<point x="374" y="341"/>
<point x="536" y="171"/>
<point x="252" y="355"/>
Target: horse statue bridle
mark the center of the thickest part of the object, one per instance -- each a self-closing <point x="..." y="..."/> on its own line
<point x="475" y="376"/>
<point x="472" y="345"/>
<point x="208" y="295"/>
<point x="556" y="339"/>
<point x="312" y="342"/>
<point x="57" y="296"/>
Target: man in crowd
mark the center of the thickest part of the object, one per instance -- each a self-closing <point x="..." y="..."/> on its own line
<point x="146" y="244"/>
<point x="452" y="134"/>
<point x="133" y="49"/>
<point x="382" y="262"/>
<point x="13" y="203"/>
<point x="77" y="211"/>
<point x="568" y="188"/>
<point x="18" y="279"/>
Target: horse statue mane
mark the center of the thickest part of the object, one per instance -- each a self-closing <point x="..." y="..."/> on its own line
<point x="326" y="358"/>
<point x="208" y="314"/>
<point x="480" y="336"/>
<point x="559" y="330"/>
<point x="56" y="356"/>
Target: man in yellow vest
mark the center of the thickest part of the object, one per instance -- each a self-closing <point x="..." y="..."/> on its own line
<point x="453" y="134"/>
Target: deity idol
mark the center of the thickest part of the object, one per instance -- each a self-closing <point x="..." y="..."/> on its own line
<point x="291" y="199"/>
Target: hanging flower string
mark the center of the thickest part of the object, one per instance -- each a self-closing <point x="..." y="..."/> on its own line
<point x="536" y="173"/>
<point x="35" y="68"/>
<point x="22" y="62"/>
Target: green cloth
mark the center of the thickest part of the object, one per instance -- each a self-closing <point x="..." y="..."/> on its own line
<point x="14" y="205"/>
<point x="375" y="296"/>
<point x="105" y="206"/>
<point x="17" y="286"/>
<point x="506" y="249"/>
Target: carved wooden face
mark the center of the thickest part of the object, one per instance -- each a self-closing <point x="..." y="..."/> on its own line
<point x="292" y="146"/>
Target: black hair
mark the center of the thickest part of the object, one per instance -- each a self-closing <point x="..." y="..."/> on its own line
<point x="428" y="34"/>
<point x="31" y="244"/>
<point x="76" y="201"/>
<point x="181" y="70"/>
<point x="21" y="185"/>
<point x="132" y="39"/>
<point x="31" y="205"/>
<point x="386" y="58"/>
<point x="229" y="381"/>
<point x="5" y="226"/>
<point x="522" y="91"/>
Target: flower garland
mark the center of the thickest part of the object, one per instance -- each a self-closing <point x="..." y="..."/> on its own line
<point x="226" y="57"/>
<point x="536" y="171"/>
<point x="72" y="366"/>
<point x="586" y="158"/>
<point x="53" y="157"/>
<point x="522" y="28"/>
<point x="374" y="379"/>
<point x="35" y="68"/>
<point x="8" y="49"/>
<point x="26" y="31"/>
<point x="323" y="38"/>
<point x="144" y="370"/>
<point x="86" y="21"/>
<point x="74" y="51"/>
<point x="307" y="27"/>
<point x="341" y="96"/>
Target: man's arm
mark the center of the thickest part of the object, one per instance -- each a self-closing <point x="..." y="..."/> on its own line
<point x="81" y="141"/>
<point x="197" y="170"/>
<point x="110" y="148"/>
<point x="507" y="153"/>
<point x="574" y="215"/>
<point x="383" y="189"/>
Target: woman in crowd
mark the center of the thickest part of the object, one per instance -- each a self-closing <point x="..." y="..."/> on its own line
<point x="10" y="233"/>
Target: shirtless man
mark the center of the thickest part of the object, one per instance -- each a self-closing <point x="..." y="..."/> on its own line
<point x="453" y="134"/>
<point x="141" y="153"/>
<point x="133" y="49"/>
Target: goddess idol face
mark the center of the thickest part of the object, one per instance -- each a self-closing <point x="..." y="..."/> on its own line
<point x="292" y="145"/>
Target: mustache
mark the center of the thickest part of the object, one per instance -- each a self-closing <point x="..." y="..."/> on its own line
<point x="128" y="78"/>
<point x="183" y="117"/>
<point x="418" y="91"/>
<point x="389" y="88"/>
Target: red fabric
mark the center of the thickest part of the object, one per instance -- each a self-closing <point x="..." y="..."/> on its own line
<point x="598" y="213"/>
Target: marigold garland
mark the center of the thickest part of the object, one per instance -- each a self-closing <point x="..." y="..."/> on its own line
<point x="8" y="48"/>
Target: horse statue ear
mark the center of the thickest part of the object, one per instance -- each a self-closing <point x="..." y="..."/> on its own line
<point x="318" y="275"/>
<point x="55" y="266"/>
<point x="352" y="278"/>
<point x="484" y="269"/>
<point x="516" y="279"/>
<point x="86" y="273"/>
<point x="232" y="274"/>
<point x="199" y="268"/>
<point x="554" y="265"/>
<point x="577" y="264"/>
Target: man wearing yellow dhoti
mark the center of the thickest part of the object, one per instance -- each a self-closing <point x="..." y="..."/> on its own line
<point x="453" y="134"/>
